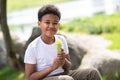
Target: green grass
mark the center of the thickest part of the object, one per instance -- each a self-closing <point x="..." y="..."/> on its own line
<point x="9" y="74"/>
<point x="115" y="38"/>
<point x="13" y="5"/>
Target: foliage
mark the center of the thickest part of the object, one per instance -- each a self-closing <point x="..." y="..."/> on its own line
<point x="104" y="78"/>
<point x="21" y="4"/>
<point x="106" y="25"/>
<point x="94" y="25"/>
<point x="117" y="75"/>
<point x="9" y="74"/>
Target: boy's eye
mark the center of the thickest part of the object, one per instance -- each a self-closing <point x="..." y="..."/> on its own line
<point x="55" y="23"/>
<point x="47" y="22"/>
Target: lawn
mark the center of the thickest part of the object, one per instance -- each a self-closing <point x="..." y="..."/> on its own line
<point x="9" y="74"/>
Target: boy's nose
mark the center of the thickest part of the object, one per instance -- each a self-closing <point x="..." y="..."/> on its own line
<point x="51" y="25"/>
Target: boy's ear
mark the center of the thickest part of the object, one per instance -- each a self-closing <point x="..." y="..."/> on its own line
<point x="39" y="23"/>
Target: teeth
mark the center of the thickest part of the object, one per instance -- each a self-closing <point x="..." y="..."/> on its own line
<point x="58" y="44"/>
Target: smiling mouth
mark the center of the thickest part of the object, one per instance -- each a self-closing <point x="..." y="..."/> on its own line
<point x="52" y="30"/>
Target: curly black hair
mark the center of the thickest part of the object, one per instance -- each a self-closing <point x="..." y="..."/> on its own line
<point x="48" y="9"/>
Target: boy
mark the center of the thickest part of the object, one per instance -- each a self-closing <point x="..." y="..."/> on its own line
<point x="42" y="62"/>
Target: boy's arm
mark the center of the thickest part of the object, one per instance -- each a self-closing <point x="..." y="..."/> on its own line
<point x="32" y="74"/>
<point x="67" y="65"/>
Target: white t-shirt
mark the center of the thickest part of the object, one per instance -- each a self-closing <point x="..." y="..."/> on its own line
<point x="43" y="54"/>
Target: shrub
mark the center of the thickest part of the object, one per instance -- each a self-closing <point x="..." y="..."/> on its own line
<point x="95" y="25"/>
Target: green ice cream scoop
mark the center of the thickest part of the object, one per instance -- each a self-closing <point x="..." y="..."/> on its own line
<point x="58" y="44"/>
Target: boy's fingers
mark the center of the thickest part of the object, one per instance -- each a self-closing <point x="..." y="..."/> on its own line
<point x="62" y="49"/>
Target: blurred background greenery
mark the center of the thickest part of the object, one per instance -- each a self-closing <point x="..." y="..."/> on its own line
<point x="104" y="25"/>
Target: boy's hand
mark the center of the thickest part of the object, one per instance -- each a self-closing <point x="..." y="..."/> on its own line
<point x="61" y="57"/>
<point x="59" y="61"/>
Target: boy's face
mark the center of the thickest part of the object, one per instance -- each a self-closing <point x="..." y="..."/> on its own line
<point x="49" y="25"/>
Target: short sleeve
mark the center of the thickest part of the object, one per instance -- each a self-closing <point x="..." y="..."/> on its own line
<point x="30" y="56"/>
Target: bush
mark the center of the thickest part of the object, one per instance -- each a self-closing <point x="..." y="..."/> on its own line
<point x="108" y="26"/>
<point x="94" y="25"/>
<point x="117" y="75"/>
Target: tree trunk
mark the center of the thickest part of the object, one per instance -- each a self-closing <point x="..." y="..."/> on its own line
<point x="11" y="54"/>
